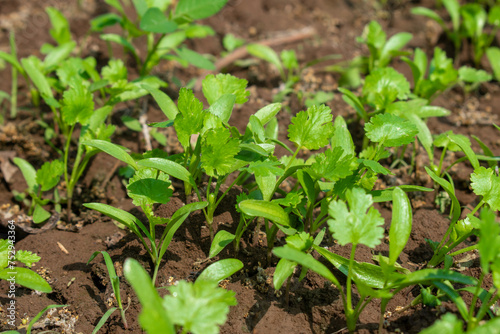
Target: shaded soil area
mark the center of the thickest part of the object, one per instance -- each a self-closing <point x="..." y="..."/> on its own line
<point x="315" y="305"/>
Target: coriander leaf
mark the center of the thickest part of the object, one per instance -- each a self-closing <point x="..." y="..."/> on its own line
<point x="390" y="130"/>
<point x="78" y="104"/>
<point x="114" y="71"/>
<point x="489" y="239"/>
<point x="27" y="257"/>
<point x="218" y="151"/>
<point x="471" y="75"/>
<point x="312" y="128"/>
<point x="265" y="168"/>
<point x="49" y="174"/>
<point x="334" y="165"/>
<point x="301" y="241"/>
<point x="198" y="307"/>
<point x="443" y="140"/>
<point x="356" y="225"/>
<point x="216" y="86"/>
<point x="4" y="253"/>
<point x="383" y="86"/>
<point x="189" y="120"/>
<point x="149" y="186"/>
<point x="486" y="184"/>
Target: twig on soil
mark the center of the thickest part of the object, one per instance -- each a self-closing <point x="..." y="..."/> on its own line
<point x="109" y="175"/>
<point x="63" y="249"/>
<point x="241" y="52"/>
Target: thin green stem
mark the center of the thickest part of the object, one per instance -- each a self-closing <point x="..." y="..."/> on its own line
<point x="464" y="250"/>
<point x="150" y="54"/>
<point x="478" y="206"/>
<point x="472" y="323"/>
<point x="350" y="315"/>
<point x="441" y="160"/>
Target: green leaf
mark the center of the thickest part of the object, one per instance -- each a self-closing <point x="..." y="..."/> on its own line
<point x="195" y="59"/>
<point x="448" y="187"/>
<point x="28" y="171"/>
<point x="221" y="240"/>
<point x="472" y="75"/>
<point x="220" y="270"/>
<point x="485" y="183"/>
<point x="40" y="214"/>
<point x="218" y="151"/>
<point x="383" y="86"/>
<point x="393" y="45"/>
<point x="493" y="55"/>
<point x="189" y="120"/>
<point x="27" y="257"/>
<point x="466" y="148"/>
<point x="148" y="186"/>
<point x="428" y="13"/>
<point x="307" y="261"/>
<point x="30" y="64"/>
<point x="426" y="276"/>
<point x="223" y="107"/>
<point x="164" y="101"/>
<point x="60" y="27"/>
<point x="284" y="269"/>
<point x="169" y="167"/>
<point x="216" y="86"/>
<point x="153" y="317"/>
<point x="266" y="53"/>
<point x="312" y="128"/>
<point x="268" y="210"/>
<point x="119" y="40"/>
<point x="491" y="326"/>
<point x="489" y="239"/>
<point x="103" y="21"/>
<point x="268" y="113"/>
<point x="342" y="137"/>
<point x="103" y="320"/>
<point x="354" y="102"/>
<point x="113" y="150"/>
<point x="362" y="272"/>
<point x="154" y="20"/>
<point x="26" y="278"/>
<point x="199" y="9"/>
<point x="400" y="225"/>
<point x="390" y="130"/>
<point x="120" y="216"/>
<point x="200" y="308"/>
<point x="386" y="194"/>
<point x="300" y="241"/>
<point x="114" y="71"/>
<point x="49" y="175"/>
<point x="334" y="164"/>
<point x="443" y="140"/>
<point x="356" y="226"/>
<point x="58" y="54"/>
<point x="78" y="104"/>
<point x="448" y="324"/>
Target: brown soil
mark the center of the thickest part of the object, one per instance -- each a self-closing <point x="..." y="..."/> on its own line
<point x="315" y="306"/>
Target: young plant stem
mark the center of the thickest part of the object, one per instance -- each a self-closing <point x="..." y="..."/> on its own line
<point x="150" y="54"/>
<point x="383" y="305"/>
<point x="441" y="160"/>
<point x="13" y="93"/>
<point x="464" y="250"/>
<point x="474" y="321"/>
<point x="69" y="189"/>
<point x="271" y="235"/>
<point x="242" y="226"/>
<point x="349" y="312"/>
